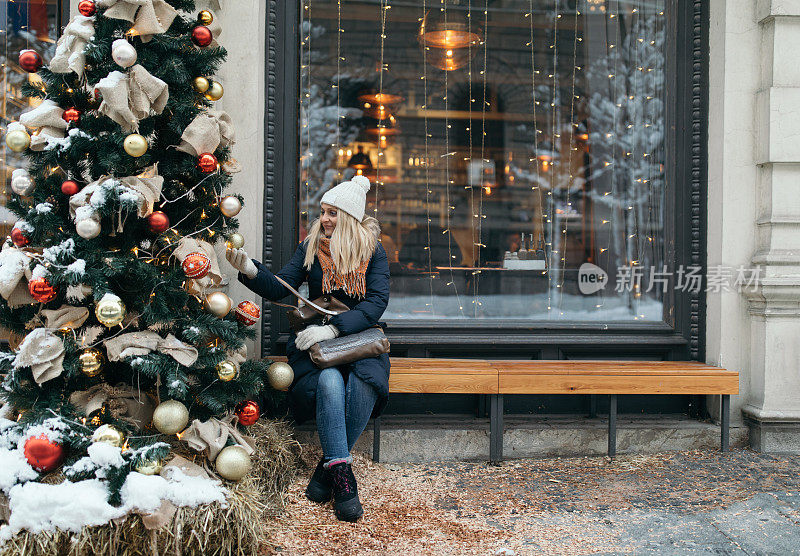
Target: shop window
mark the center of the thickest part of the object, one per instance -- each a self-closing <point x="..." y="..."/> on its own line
<point x="26" y="24"/>
<point x="516" y="151"/>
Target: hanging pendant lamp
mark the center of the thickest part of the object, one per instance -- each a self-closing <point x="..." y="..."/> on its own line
<point x="450" y="42"/>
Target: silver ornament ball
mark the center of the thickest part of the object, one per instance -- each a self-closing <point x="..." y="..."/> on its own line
<point x="230" y="206"/>
<point x="123" y="53"/>
<point x="21" y="182"/>
<point x="88" y="228"/>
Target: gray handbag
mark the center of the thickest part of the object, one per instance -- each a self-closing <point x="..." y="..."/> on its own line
<point x="371" y="342"/>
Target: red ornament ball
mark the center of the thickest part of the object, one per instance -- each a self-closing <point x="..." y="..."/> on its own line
<point x="201" y="35"/>
<point x="30" y="61"/>
<point x="71" y="115"/>
<point x="247" y="313"/>
<point x="43" y="454"/>
<point x="41" y="290"/>
<point x="207" y="162"/>
<point x="19" y="238"/>
<point x="196" y="265"/>
<point x="158" y="222"/>
<point x="87" y="8"/>
<point x="70" y="187"/>
<point x="248" y="413"/>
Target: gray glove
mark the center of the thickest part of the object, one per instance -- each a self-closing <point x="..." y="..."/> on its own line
<point x="314" y="334"/>
<point x="241" y="262"/>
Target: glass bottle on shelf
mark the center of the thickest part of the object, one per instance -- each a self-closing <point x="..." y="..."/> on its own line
<point x="540" y="249"/>
<point x="522" y="254"/>
<point x="531" y="252"/>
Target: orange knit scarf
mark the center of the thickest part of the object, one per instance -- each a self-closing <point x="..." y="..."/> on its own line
<point x="354" y="283"/>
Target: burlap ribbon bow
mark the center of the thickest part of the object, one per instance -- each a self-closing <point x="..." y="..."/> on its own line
<point x="207" y="132"/>
<point x="146" y="187"/>
<point x="69" y="54"/>
<point x="14" y="265"/>
<point x="164" y="514"/>
<point x="149" y="17"/>
<point x="212" y="436"/>
<point x="47" y="117"/>
<point x="147" y="341"/>
<point x="43" y="352"/>
<point x="128" y="98"/>
<point x="123" y="402"/>
<point x="66" y="316"/>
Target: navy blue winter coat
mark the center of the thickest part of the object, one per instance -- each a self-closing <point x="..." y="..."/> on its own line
<point x="363" y="314"/>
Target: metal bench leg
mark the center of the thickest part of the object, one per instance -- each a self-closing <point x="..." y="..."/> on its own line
<point x="376" y="439"/>
<point x="725" y="421"/>
<point x="612" y="425"/>
<point x="496" y="429"/>
<point x="592" y="406"/>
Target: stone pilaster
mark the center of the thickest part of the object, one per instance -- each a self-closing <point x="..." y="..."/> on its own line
<point x="773" y="408"/>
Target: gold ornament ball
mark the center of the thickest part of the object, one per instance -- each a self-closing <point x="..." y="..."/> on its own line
<point x="218" y="304"/>
<point x="135" y="145"/>
<point x="233" y="463"/>
<point x="227" y="370"/>
<point x="280" y="375"/>
<point x="230" y="206"/>
<point x="205" y="17"/>
<point x="235" y="241"/>
<point x="110" y="310"/>
<point x="109" y="434"/>
<point x="215" y="91"/>
<point x="150" y="467"/>
<point x="201" y="84"/>
<point x="170" y="417"/>
<point x="18" y="140"/>
<point x="91" y="361"/>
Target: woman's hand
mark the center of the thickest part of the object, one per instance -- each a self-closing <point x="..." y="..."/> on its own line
<point x="241" y="262"/>
<point x="314" y="334"/>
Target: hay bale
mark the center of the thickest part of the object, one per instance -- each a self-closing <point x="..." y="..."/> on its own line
<point x="238" y="529"/>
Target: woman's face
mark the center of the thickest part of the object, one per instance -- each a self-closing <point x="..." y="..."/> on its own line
<point x="327" y="218"/>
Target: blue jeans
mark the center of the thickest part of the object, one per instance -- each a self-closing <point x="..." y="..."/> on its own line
<point x="342" y="411"/>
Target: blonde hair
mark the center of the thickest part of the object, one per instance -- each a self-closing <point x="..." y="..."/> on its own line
<point x="351" y="242"/>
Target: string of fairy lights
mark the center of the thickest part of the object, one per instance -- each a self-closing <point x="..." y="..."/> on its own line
<point x="537" y="169"/>
<point x="427" y="166"/>
<point x="382" y="69"/>
<point x="305" y="65"/>
<point x="555" y="166"/>
<point x="571" y="148"/>
<point x="468" y="159"/>
<point x="481" y="216"/>
<point x="447" y="156"/>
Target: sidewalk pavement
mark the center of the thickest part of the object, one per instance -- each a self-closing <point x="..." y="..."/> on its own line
<point x="697" y="502"/>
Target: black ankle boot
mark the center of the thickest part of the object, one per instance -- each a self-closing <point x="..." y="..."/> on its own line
<point x="319" y="487"/>
<point x="345" y="492"/>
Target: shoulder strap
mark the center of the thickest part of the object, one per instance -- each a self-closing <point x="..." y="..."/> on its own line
<point x="299" y="296"/>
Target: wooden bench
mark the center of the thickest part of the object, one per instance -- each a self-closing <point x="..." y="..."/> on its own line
<point x="478" y="376"/>
<point x="496" y="378"/>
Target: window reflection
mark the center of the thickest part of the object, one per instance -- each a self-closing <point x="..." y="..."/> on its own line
<point x="509" y="143"/>
<point x="26" y="24"/>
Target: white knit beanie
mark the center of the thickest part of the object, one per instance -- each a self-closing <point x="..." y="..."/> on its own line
<point x="349" y="196"/>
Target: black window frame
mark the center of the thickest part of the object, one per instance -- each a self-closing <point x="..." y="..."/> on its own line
<point x="683" y="338"/>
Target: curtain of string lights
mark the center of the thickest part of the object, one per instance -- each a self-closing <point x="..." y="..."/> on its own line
<point x="509" y="143"/>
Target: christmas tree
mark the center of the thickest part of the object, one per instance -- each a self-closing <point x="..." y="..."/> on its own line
<point x="124" y="349"/>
